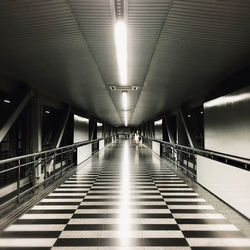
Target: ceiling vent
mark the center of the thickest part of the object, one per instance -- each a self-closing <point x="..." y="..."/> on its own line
<point x="119" y="9"/>
<point x="123" y="88"/>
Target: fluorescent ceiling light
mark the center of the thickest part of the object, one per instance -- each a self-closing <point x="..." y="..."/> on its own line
<point x="47" y="111"/>
<point x="6" y="101"/>
<point x="121" y="50"/>
<point x="125" y="100"/>
<point x="99" y="124"/>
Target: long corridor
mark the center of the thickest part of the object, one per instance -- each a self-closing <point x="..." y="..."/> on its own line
<point x="124" y="197"/>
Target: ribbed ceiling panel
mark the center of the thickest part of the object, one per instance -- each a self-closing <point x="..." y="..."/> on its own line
<point x="145" y="21"/>
<point x="177" y="50"/>
<point x="38" y="20"/>
<point x="202" y="43"/>
<point x="95" y="21"/>
<point x="43" y="44"/>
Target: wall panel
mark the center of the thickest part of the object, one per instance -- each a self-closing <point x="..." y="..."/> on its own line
<point x="227" y="124"/>
<point x="229" y="183"/>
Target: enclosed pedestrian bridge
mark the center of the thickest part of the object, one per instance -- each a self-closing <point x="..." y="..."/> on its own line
<point x="125" y="124"/>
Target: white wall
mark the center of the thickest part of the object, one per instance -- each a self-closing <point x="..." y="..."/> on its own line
<point x="81" y="133"/>
<point x="226" y="123"/>
<point x="81" y="129"/>
<point x="101" y="144"/>
<point x="84" y="153"/>
<point x="158" y="129"/>
<point x="156" y="147"/>
<point x="229" y="183"/>
<point x="99" y="130"/>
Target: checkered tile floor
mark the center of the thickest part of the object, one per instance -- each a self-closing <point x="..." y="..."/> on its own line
<point x="125" y="200"/>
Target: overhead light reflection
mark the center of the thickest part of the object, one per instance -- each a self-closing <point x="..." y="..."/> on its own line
<point x="121" y="50"/>
<point x="229" y="99"/>
<point x="124" y="219"/>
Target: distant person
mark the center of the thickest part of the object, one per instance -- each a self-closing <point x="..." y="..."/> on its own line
<point x="137" y="137"/>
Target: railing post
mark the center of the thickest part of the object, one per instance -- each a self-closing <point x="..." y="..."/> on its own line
<point x="54" y="166"/>
<point x="18" y="181"/>
<point x="67" y="159"/>
<point x="45" y="170"/>
<point x="61" y="157"/>
<point x="33" y="174"/>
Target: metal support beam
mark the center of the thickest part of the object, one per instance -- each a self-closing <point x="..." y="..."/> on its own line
<point x="92" y="128"/>
<point x="190" y="135"/>
<point x="6" y="127"/>
<point x="169" y="132"/>
<point x="59" y="137"/>
<point x="61" y="131"/>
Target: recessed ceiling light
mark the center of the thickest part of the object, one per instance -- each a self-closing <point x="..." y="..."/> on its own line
<point x="47" y="111"/>
<point x="6" y="101"/>
<point x="189" y="116"/>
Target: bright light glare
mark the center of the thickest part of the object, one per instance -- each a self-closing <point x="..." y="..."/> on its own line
<point x="6" y="101"/>
<point x="225" y="100"/>
<point x="121" y="50"/>
<point x="159" y="122"/>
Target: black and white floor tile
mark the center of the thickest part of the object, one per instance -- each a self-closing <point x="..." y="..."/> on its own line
<point x="125" y="203"/>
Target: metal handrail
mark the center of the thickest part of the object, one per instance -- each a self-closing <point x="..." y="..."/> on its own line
<point x="211" y="153"/>
<point x="43" y="158"/>
<point x="74" y="145"/>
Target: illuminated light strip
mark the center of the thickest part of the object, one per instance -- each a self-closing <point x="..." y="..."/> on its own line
<point x="121" y="50"/>
<point x="125" y="106"/>
<point x="125" y="100"/>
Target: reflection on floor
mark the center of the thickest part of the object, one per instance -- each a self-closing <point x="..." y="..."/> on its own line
<point x="123" y="199"/>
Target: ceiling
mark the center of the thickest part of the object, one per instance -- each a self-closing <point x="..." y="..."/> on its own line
<point x="177" y="51"/>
